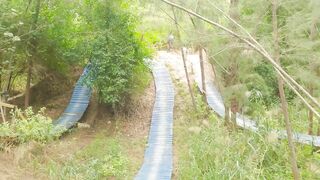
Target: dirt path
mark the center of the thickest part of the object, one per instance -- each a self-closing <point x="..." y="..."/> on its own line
<point x="174" y="61"/>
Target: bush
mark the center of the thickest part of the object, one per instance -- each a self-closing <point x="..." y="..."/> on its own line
<point x="33" y="127"/>
<point x="117" y="53"/>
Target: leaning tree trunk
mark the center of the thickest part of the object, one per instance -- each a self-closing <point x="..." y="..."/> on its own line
<point x="234" y="104"/>
<point x="200" y="48"/>
<point x="183" y="58"/>
<point x="188" y="79"/>
<point x="284" y="103"/>
<point x="33" y="50"/>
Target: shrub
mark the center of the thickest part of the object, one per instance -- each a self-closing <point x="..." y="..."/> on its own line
<point x="33" y="127"/>
<point x="117" y="53"/>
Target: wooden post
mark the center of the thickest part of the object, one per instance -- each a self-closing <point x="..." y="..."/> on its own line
<point x="187" y="76"/>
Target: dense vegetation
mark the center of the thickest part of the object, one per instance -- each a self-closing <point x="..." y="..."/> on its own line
<point x="43" y="37"/>
<point x="40" y="36"/>
<point x="248" y="71"/>
<point x="27" y="126"/>
<point x="281" y="31"/>
<point x="207" y="149"/>
<point x="117" y="52"/>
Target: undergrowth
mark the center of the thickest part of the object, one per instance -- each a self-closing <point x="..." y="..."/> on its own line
<point x="102" y="159"/>
<point x="26" y="126"/>
<point x="215" y="152"/>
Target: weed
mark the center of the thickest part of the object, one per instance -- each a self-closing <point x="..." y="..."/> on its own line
<point x="33" y="127"/>
<point x="218" y="153"/>
<point x="103" y="158"/>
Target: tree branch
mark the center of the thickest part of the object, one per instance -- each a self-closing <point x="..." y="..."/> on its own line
<point x="257" y="46"/>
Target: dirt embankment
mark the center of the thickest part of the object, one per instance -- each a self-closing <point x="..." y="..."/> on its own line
<point x="52" y="92"/>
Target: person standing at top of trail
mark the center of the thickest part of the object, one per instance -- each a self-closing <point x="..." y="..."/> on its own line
<point x="170" y="41"/>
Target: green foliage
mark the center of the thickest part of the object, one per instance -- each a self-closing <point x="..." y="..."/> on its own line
<point x="218" y="153"/>
<point x="74" y="32"/>
<point x="102" y="159"/>
<point x="52" y="44"/>
<point x="244" y="156"/>
<point x="118" y="54"/>
<point x="33" y="127"/>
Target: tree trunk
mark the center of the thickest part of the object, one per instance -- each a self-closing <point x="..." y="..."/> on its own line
<point x="254" y="44"/>
<point x="284" y="103"/>
<point x="28" y="89"/>
<point x="33" y="50"/>
<point x="234" y="104"/>
<point x="310" y="130"/>
<point x="10" y="79"/>
<point x="187" y="76"/>
<point x="234" y="12"/>
<point x="184" y="58"/>
<point x="227" y="116"/>
<point x="313" y="36"/>
<point x="234" y="110"/>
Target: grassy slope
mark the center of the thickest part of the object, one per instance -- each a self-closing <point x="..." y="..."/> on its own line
<point x="112" y="148"/>
<point x="101" y="153"/>
<point x="218" y="153"/>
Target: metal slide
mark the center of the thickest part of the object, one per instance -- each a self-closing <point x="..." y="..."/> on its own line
<point x="158" y="158"/>
<point x="77" y="105"/>
<point x="215" y="102"/>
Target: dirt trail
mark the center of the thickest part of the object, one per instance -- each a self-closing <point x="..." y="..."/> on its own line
<point x="174" y="61"/>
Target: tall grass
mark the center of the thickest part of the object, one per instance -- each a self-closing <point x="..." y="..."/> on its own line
<point x="217" y="152"/>
<point x="102" y="159"/>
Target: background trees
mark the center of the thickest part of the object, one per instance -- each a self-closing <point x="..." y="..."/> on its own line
<point x="257" y="78"/>
<point x="243" y="74"/>
<point x="39" y="37"/>
<point x="118" y="53"/>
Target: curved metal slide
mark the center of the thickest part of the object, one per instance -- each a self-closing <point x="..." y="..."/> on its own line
<point x="77" y="106"/>
<point x="215" y="101"/>
<point x="158" y="158"/>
